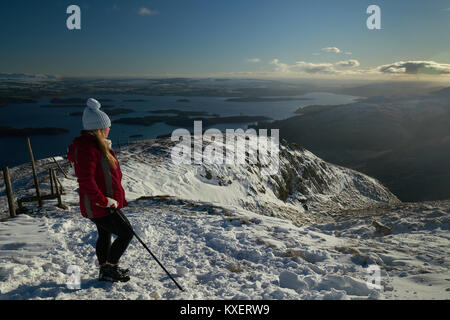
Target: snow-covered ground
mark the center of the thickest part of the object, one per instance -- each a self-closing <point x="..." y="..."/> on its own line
<point x="218" y="247"/>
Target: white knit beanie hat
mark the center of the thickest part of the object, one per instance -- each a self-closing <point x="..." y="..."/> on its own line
<point x="93" y="117"/>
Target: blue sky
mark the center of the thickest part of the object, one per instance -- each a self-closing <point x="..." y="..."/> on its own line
<point x="225" y="37"/>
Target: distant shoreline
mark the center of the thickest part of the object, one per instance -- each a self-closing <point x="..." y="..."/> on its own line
<point x="134" y="100"/>
<point x="5" y="101"/>
<point x="316" y="108"/>
<point x="7" y="131"/>
<point x="73" y="100"/>
<point x="259" y="99"/>
<point x="183" y="121"/>
<point x="110" y="112"/>
<point x="183" y="112"/>
<point x="71" y="106"/>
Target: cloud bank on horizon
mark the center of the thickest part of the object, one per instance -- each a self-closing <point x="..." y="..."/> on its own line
<point x="345" y="68"/>
<point x="351" y="67"/>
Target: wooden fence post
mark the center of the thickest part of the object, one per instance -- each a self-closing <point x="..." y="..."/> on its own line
<point x="9" y="192"/>
<point x="33" y="166"/>
<point x="56" y="186"/>
<point x="51" y="181"/>
<point x="61" y="188"/>
<point x="67" y="155"/>
<point x="61" y="169"/>
<point x="58" y="191"/>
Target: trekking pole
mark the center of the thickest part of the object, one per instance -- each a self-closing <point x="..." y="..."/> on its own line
<point x="134" y="233"/>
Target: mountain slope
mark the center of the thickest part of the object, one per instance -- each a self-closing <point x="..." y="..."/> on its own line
<point x="233" y="241"/>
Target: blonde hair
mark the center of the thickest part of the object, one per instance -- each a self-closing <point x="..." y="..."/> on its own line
<point x="104" y="148"/>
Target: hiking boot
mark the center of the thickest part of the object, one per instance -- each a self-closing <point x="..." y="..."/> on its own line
<point x="125" y="272"/>
<point x="113" y="273"/>
<point x="121" y="270"/>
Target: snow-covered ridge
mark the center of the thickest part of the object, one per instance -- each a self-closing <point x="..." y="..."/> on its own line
<point x="305" y="185"/>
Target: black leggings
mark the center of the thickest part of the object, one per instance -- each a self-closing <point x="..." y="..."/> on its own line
<point x="114" y="223"/>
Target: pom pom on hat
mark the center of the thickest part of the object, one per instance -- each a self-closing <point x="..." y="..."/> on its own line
<point x="93" y="104"/>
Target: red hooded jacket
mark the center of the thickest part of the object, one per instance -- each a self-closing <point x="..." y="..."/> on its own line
<point x="96" y="179"/>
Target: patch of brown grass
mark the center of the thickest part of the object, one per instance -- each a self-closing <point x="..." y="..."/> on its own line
<point x="234" y="268"/>
<point x="291" y="253"/>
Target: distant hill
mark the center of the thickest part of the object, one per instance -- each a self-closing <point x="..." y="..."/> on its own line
<point x="26" y="76"/>
<point x="404" y="141"/>
<point x="387" y="88"/>
<point x="444" y="92"/>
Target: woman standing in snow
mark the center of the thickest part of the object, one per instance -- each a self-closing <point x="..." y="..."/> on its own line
<point x="100" y="190"/>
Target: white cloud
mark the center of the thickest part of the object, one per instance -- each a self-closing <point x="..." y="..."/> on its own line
<point x="280" y="67"/>
<point x="254" y="60"/>
<point x="348" y="63"/>
<point x="312" y="68"/>
<point x="315" y="68"/>
<point x="147" y="12"/>
<point x="331" y="49"/>
<point x="415" y="67"/>
<point x="334" y="50"/>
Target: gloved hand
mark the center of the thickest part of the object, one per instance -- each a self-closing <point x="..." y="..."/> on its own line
<point x="111" y="203"/>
